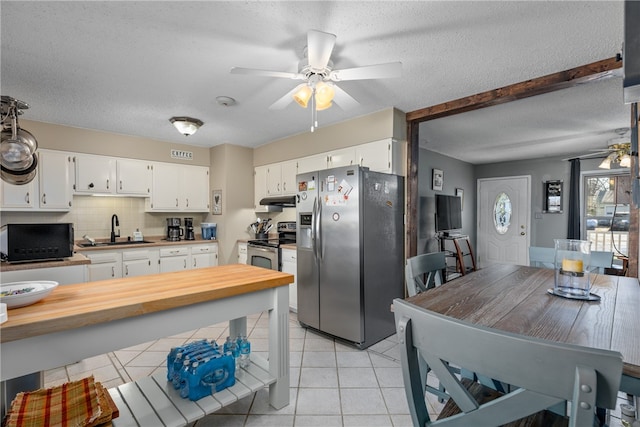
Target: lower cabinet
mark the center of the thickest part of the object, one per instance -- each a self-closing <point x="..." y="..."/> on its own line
<point x="66" y="275"/>
<point x="204" y="255"/>
<point x="290" y="265"/>
<point x="140" y="262"/>
<point x="104" y="265"/>
<point x="175" y="258"/>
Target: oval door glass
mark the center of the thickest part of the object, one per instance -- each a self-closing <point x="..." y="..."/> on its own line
<point x="502" y="213"/>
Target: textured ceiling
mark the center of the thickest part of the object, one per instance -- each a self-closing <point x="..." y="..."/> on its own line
<point x="127" y="67"/>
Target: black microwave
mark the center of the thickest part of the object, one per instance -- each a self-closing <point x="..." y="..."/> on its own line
<point x="36" y="242"/>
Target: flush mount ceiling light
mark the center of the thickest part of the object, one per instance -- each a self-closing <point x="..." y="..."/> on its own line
<point x="186" y="125"/>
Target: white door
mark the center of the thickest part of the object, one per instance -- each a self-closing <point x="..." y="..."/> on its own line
<point x="504" y="208"/>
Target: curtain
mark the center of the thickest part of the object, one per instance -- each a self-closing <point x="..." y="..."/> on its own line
<point x="573" y="229"/>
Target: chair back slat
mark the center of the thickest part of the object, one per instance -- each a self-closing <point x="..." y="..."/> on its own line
<point x="424" y="272"/>
<point x="543" y="372"/>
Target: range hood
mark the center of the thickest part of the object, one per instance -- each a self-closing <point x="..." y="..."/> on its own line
<point x="631" y="54"/>
<point x="282" y="201"/>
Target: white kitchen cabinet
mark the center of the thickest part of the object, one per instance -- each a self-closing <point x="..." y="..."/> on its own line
<point x="180" y="188"/>
<point x="138" y="262"/>
<point x="288" y="173"/>
<point x="94" y="174"/>
<point x="133" y="177"/>
<point x="104" y="265"/>
<point x="205" y="255"/>
<point x="66" y="275"/>
<point x="242" y="253"/>
<point x="312" y="163"/>
<point x="289" y="265"/>
<point x="381" y="156"/>
<point x="50" y="191"/>
<point x="260" y="188"/>
<point x="174" y="258"/>
<point x="274" y="180"/>
<point x="53" y="180"/>
<point x="342" y="157"/>
<point x="195" y="188"/>
<point x="19" y="197"/>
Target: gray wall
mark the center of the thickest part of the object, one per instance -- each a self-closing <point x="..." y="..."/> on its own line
<point x="457" y="174"/>
<point x="544" y="226"/>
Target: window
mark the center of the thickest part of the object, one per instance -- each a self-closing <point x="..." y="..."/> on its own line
<point x="606" y="212"/>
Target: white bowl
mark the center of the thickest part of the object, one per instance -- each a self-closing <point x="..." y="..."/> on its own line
<point x="20" y="294"/>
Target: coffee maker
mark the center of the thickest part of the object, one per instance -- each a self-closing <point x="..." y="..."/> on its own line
<point x="174" y="231"/>
<point x="188" y="229"/>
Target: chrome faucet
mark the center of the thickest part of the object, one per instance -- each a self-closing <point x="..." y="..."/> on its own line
<point x="114" y="223"/>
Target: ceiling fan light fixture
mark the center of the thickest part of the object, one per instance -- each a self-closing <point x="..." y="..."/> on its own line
<point x="625" y="161"/>
<point x="605" y="164"/>
<point x="324" y="95"/>
<point x="302" y="95"/>
<point x="186" y="125"/>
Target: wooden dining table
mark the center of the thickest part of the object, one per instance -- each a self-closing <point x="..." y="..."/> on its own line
<point x="514" y="298"/>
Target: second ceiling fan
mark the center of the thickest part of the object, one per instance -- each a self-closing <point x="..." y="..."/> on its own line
<point x="319" y="78"/>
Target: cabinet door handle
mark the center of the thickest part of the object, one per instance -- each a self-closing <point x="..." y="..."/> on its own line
<point x="126" y="270"/>
<point x="113" y="272"/>
<point x="185" y="263"/>
<point x="194" y="263"/>
<point x="121" y="184"/>
<point x="91" y="185"/>
<point x="176" y="202"/>
<point x="284" y="186"/>
<point x="107" y="184"/>
<point x="26" y="198"/>
<point x="187" y="202"/>
<point x="44" y="199"/>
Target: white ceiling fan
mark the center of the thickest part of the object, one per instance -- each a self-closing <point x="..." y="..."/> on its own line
<point x="318" y="76"/>
<point x="618" y="151"/>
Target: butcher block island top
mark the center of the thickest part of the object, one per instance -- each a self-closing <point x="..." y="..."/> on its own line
<point x="86" y="304"/>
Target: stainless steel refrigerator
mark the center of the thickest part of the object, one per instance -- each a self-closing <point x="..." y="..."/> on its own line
<point x="350" y="252"/>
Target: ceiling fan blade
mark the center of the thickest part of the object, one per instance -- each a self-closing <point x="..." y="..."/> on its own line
<point x="319" y="48"/>
<point x="284" y="101"/>
<point x="380" y="71"/>
<point x="343" y="99"/>
<point x="266" y="73"/>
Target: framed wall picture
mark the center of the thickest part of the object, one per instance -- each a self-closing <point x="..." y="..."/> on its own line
<point x="460" y="193"/>
<point x="437" y="180"/>
<point x="216" y="206"/>
<point x="552" y="191"/>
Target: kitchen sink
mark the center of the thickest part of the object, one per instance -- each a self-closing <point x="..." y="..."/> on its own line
<point x="99" y="244"/>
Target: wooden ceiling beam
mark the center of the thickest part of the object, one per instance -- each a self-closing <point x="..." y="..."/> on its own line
<point x="603" y="69"/>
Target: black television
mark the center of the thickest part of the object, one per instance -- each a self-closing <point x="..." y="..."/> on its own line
<point x="448" y="212"/>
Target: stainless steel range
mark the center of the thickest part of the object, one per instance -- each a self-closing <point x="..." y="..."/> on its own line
<point x="267" y="253"/>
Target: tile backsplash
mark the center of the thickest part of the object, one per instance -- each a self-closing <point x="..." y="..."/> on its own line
<point x="92" y="216"/>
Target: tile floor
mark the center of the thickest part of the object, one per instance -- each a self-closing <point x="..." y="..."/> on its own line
<point x="332" y="384"/>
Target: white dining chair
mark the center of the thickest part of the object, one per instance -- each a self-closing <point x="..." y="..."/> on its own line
<point x="424" y="272"/>
<point x="541" y="257"/>
<point x="600" y="260"/>
<point x="542" y="373"/>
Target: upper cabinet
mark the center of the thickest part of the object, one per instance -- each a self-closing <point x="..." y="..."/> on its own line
<point x="94" y="174"/>
<point x="385" y="156"/>
<point x="281" y="178"/>
<point x="109" y="175"/>
<point x="54" y="181"/>
<point x="342" y="157"/>
<point x="179" y="188"/>
<point x="50" y="191"/>
<point x="133" y="177"/>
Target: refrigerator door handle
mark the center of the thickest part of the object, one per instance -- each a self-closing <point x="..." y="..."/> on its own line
<point x="319" y="243"/>
<point x="314" y="217"/>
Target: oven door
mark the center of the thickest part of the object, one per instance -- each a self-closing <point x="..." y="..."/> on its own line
<point x="263" y="256"/>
